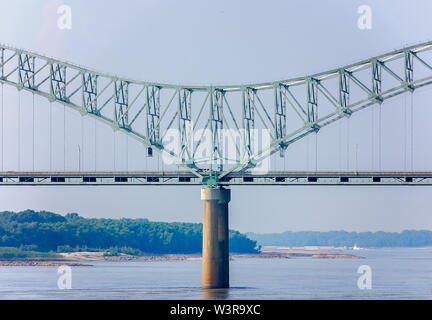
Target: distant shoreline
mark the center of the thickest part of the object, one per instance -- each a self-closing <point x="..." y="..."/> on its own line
<point x="341" y="238"/>
<point x="34" y="262"/>
<point x="76" y="258"/>
<point x="346" y="248"/>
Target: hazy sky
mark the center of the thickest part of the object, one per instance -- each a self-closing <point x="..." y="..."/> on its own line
<point x="227" y="42"/>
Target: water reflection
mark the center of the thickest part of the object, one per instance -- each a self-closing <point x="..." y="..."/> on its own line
<point x="215" y="294"/>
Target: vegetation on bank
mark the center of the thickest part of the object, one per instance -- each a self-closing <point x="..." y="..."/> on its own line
<point x="12" y="252"/>
<point x="406" y="238"/>
<point x="46" y="231"/>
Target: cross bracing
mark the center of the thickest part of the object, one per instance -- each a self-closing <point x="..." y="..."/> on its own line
<point x="233" y="115"/>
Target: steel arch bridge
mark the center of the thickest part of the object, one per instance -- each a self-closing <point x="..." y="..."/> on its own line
<point x="221" y="116"/>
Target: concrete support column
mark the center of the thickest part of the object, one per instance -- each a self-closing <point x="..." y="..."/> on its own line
<point x="215" y="252"/>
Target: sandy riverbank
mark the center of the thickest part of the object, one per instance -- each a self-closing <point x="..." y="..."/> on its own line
<point x="318" y="253"/>
<point x="72" y="258"/>
<point x="265" y="254"/>
<point x="39" y="263"/>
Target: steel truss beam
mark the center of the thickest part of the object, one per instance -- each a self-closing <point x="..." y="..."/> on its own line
<point x="2" y="50"/>
<point x="89" y="93"/>
<point x="280" y="113"/>
<point x="312" y="100"/>
<point x="153" y="115"/>
<point x="248" y="117"/>
<point x="297" y="110"/>
<point x="344" y="91"/>
<point x="58" y="82"/>
<point x="409" y="69"/>
<point x="184" y="123"/>
<point x="216" y="125"/>
<point x="187" y="178"/>
<point x="26" y="67"/>
<point x="121" y="103"/>
<point x="376" y="80"/>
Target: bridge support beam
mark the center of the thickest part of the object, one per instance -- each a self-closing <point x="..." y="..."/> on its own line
<point x="215" y="252"/>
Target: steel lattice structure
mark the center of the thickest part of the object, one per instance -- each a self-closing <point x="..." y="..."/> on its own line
<point x="289" y="109"/>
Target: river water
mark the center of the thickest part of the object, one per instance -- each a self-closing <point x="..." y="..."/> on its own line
<point x="396" y="274"/>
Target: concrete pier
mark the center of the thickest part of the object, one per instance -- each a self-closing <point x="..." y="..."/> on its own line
<point x="215" y="252"/>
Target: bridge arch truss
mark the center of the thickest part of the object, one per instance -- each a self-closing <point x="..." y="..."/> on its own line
<point x="289" y="109"/>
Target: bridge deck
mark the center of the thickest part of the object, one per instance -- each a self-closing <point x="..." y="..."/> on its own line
<point x="188" y="178"/>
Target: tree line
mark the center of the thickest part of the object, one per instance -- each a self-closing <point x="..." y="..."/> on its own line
<point x="47" y="231"/>
<point x="406" y="238"/>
